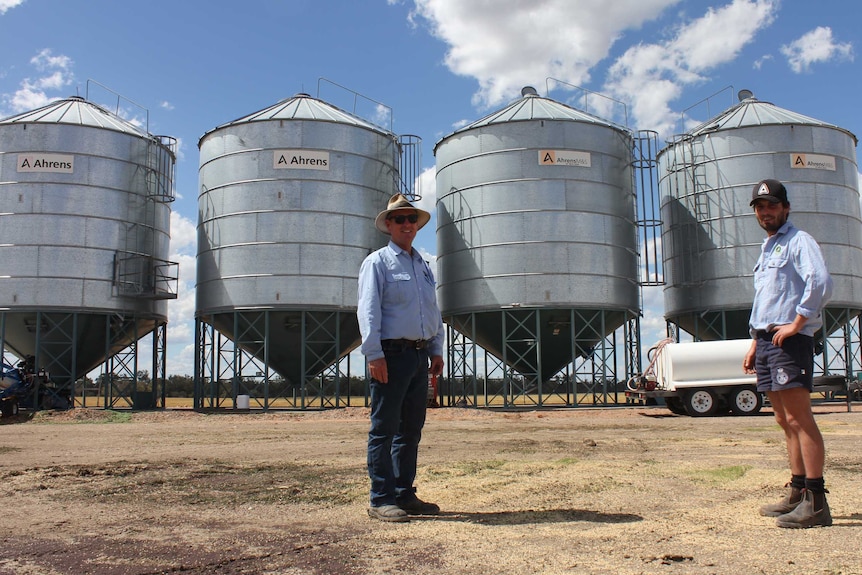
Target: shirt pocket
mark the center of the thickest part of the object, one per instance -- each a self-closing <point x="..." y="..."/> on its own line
<point x="777" y="271"/>
<point x="758" y="276"/>
<point x="397" y="288"/>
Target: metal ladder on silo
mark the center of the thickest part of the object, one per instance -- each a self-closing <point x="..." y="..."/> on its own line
<point x="648" y="208"/>
<point x="693" y="196"/>
<point x="160" y="181"/>
<point x="410" y="167"/>
<point x="137" y="272"/>
<point x="700" y="186"/>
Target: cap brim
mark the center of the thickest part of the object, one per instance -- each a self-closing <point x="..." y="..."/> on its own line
<point x="771" y="199"/>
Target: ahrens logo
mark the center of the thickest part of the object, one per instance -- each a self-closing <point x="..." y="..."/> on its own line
<point x="763" y="191"/>
<point x="570" y="158"/>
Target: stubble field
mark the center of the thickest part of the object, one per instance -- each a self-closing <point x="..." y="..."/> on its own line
<point x="626" y="490"/>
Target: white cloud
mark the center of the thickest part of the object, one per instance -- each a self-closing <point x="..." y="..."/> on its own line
<point x="525" y="42"/>
<point x="46" y="61"/>
<point x="651" y="76"/>
<point x="181" y="311"/>
<point x="653" y="324"/>
<point x="183" y="234"/>
<point x="521" y="42"/>
<point x="6" y="5"/>
<point x="26" y="98"/>
<point x="56" y="74"/>
<point x="758" y="64"/>
<point x="427" y="187"/>
<point x="815" y="46"/>
<point x="165" y="105"/>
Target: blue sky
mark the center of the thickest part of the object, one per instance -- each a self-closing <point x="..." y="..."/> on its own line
<point x="436" y="64"/>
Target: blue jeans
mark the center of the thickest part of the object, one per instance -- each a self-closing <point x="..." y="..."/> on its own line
<point x="397" y="417"/>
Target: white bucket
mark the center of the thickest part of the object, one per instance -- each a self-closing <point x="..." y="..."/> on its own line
<point x="242" y="401"/>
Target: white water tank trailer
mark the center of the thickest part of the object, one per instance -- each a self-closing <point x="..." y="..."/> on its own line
<point x="705" y="378"/>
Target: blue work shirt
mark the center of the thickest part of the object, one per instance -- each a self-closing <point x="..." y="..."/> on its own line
<point x="790" y="278"/>
<point x="397" y="299"/>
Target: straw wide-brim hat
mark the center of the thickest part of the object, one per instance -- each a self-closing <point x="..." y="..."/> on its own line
<point x="399" y="202"/>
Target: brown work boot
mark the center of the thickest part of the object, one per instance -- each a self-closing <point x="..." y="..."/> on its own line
<point x="786" y="505"/>
<point x="812" y="511"/>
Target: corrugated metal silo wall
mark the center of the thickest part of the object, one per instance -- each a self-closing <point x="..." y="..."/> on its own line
<point x="539" y="214"/>
<point x="280" y="230"/>
<point x="71" y="197"/>
<point x="711" y="239"/>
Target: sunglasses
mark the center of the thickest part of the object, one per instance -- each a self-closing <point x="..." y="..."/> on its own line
<point x="412" y="218"/>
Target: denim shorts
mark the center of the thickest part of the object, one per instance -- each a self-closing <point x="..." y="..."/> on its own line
<point x="785" y="367"/>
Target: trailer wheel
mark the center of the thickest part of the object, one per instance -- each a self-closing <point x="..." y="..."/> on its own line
<point x="674" y="404"/>
<point x="10" y="407"/>
<point x="745" y="401"/>
<point x="700" y="402"/>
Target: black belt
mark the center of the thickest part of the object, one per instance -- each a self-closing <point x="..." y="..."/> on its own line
<point x="763" y="334"/>
<point x="404" y="343"/>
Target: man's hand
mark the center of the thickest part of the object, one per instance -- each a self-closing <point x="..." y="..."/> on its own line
<point x="748" y="362"/>
<point x="782" y="332"/>
<point x="378" y="370"/>
<point x="436" y="365"/>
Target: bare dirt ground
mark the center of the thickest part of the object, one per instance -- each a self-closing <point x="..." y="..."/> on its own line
<point x="627" y="490"/>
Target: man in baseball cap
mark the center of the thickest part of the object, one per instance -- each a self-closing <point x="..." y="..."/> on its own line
<point x="791" y="287"/>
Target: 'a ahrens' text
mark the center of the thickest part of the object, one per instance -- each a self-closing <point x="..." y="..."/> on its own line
<point x="300" y="160"/>
<point x="57" y="163"/>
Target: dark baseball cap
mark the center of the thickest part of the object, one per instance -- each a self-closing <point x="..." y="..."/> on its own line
<point x="771" y="190"/>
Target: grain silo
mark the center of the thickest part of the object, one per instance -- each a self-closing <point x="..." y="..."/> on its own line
<point x="288" y="197"/>
<point x="84" y="241"/>
<point x="711" y="238"/>
<point x="536" y="237"/>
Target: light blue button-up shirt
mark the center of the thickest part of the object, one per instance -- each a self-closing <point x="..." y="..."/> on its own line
<point x="397" y="299"/>
<point x="790" y="278"/>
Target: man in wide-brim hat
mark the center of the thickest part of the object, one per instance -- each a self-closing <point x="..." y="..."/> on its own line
<point x="399" y="203"/>
<point x="402" y="340"/>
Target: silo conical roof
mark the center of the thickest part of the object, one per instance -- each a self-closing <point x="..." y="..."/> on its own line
<point x="534" y="107"/>
<point x="753" y="112"/>
<point x="302" y="107"/>
<point x="76" y="111"/>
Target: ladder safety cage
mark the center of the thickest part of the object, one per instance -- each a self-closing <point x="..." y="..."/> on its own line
<point x="143" y="276"/>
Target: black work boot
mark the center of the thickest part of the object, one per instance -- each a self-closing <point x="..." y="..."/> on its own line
<point x="812" y="511"/>
<point x="786" y="505"/>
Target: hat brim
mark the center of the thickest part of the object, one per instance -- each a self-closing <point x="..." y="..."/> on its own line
<point x="772" y="199"/>
<point x="380" y="222"/>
